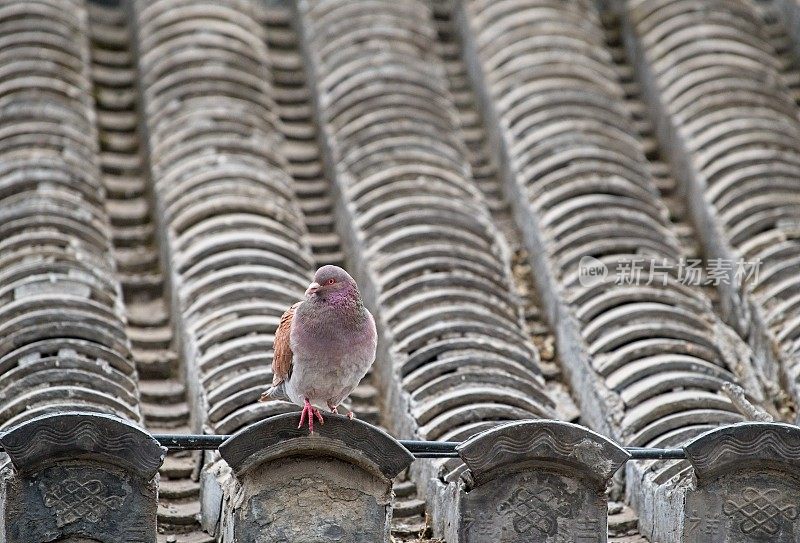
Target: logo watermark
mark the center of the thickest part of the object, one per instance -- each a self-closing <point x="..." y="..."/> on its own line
<point x="591" y="271"/>
<point x="657" y="271"/>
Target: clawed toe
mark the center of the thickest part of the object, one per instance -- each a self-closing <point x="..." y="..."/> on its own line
<point x="314" y="412"/>
<point x="307" y="414"/>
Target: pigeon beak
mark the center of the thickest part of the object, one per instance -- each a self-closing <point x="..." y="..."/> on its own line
<point x="312" y="288"/>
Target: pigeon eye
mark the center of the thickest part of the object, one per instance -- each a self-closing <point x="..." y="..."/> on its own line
<point x="331" y="281"/>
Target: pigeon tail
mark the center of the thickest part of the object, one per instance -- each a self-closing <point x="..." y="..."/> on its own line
<point x="275" y="393"/>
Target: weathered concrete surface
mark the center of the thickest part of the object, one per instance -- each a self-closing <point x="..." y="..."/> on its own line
<point x="287" y="485"/>
<point x="746" y="485"/>
<point x="541" y="481"/>
<point x="79" y="475"/>
<point x="315" y="501"/>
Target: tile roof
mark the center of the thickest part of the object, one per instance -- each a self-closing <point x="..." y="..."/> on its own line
<point x="172" y="172"/>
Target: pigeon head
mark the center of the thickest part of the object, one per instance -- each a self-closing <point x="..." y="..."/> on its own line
<point x="330" y="283"/>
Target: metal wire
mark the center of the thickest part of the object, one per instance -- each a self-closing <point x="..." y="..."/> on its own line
<point x="420" y="449"/>
<point x="644" y="453"/>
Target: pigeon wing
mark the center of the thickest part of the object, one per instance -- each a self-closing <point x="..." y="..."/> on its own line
<point x="282" y="357"/>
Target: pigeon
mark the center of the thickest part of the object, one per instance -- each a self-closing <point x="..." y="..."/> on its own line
<point x="324" y="346"/>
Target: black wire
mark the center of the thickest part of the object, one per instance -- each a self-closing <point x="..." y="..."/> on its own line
<point x="644" y="453"/>
<point x="192" y="442"/>
<point x="420" y="449"/>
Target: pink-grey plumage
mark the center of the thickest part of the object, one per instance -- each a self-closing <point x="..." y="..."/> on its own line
<point x="323" y="347"/>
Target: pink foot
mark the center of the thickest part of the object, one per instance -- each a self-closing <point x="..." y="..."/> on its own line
<point x="318" y="414"/>
<point x="351" y="415"/>
<point x="334" y="409"/>
<point x="309" y="412"/>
